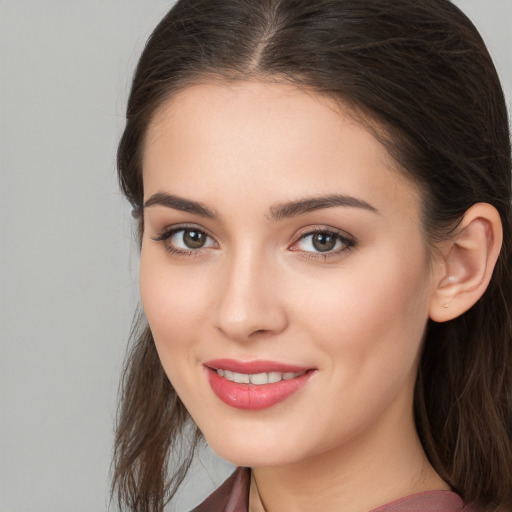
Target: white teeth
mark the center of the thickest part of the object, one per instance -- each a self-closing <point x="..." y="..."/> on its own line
<point x="257" y="378"/>
<point x="241" y="378"/>
<point x="274" y="377"/>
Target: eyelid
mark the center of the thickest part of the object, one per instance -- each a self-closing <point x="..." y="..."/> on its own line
<point x="166" y="233"/>
<point x="311" y="230"/>
<point x="347" y="239"/>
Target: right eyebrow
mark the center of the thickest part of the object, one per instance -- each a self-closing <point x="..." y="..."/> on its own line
<point x="178" y="203"/>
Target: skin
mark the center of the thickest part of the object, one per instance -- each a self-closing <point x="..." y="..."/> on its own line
<point x="258" y="291"/>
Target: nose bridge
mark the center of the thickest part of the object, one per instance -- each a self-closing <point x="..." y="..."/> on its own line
<point x="247" y="300"/>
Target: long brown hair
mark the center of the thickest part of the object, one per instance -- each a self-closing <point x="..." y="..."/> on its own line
<point x="420" y="73"/>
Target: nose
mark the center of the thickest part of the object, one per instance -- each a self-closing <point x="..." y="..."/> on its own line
<point x="249" y="305"/>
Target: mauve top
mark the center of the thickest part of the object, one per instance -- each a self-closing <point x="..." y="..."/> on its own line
<point x="233" y="496"/>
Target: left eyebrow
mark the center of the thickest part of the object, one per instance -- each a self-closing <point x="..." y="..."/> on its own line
<point x="293" y="208"/>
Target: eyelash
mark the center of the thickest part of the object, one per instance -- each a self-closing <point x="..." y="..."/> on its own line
<point x="167" y="233"/>
<point x="347" y="242"/>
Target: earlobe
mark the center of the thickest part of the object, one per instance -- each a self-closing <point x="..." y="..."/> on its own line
<point x="466" y="263"/>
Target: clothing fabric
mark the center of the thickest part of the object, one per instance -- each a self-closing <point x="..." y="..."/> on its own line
<point x="233" y="496"/>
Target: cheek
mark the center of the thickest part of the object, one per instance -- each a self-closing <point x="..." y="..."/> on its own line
<point x="173" y="300"/>
<point x="371" y="319"/>
<point x="367" y="327"/>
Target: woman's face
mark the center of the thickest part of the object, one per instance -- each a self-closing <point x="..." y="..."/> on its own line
<point x="281" y="250"/>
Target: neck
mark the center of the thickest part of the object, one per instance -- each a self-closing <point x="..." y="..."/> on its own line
<point x="355" y="478"/>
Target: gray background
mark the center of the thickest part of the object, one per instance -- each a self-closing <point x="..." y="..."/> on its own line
<point x="68" y="266"/>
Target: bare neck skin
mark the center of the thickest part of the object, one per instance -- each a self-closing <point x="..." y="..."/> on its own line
<point x="355" y="478"/>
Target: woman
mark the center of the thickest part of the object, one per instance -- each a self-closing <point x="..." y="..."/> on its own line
<point x="323" y="196"/>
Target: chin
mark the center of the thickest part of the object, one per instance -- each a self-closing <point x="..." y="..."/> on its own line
<point x="249" y="458"/>
<point x="254" y="452"/>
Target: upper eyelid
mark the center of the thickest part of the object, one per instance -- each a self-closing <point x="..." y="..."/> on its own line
<point x="323" y="229"/>
<point x="167" y="231"/>
<point x="345" y="238"/>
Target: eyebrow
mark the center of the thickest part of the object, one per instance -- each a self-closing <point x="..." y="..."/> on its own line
<point x="180" y="203"/>
<point x="294" y="208"/>
<point x="277" y="212"/>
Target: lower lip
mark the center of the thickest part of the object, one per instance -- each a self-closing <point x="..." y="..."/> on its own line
<point x="254" y="397"/>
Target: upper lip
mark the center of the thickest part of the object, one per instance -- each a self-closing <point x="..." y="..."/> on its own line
<point x="252" y="367"/>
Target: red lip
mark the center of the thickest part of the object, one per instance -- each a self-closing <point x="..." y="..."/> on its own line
<point x="251" y="396"/>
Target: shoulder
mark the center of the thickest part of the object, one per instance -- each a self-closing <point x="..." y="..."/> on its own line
<point x="428" y="501"/>
<point x="231" y="496"/>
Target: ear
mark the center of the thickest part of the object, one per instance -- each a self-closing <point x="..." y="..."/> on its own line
<point x="463" y="269"/>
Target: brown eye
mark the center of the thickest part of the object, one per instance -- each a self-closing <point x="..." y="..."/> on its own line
<point x="194" y="239"/>
<point x="185" y="241"/>
<point x="323" y="242"/>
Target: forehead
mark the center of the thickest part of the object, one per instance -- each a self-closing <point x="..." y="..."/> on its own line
<point x="272" y="138"/>
<point x="256" y="105"/>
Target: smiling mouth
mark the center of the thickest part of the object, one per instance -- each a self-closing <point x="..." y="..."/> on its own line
<point x="255" y="385"/>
